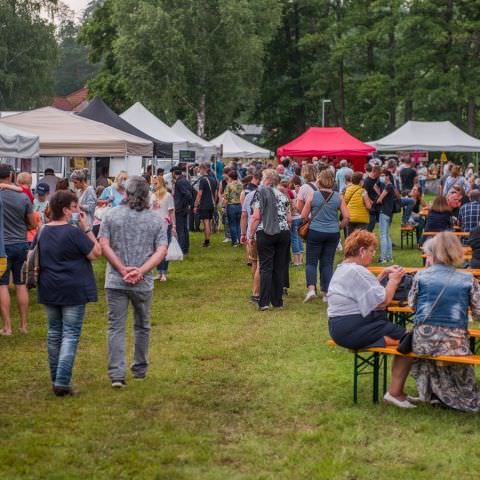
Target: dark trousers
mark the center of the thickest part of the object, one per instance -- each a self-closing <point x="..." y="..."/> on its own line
<point x="272" y="255"/>
<point x="321" y="248"/>
<point x="234" y="212"/>
<point x="373" y="220"/>
<point x="183" y="234"/>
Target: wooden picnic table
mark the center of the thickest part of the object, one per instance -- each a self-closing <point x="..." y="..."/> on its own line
<point x="378" y="270"/>
<point x="457" y="234"/>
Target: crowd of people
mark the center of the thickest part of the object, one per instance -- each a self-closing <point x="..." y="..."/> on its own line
<point x="287" y="215"/>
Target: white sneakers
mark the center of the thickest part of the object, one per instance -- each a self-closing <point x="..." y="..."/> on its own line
<point x="388" y="398"/>
<point x="310" y="296"/>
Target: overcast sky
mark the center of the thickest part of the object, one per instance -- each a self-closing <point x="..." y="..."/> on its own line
<point x="77" y="5"/>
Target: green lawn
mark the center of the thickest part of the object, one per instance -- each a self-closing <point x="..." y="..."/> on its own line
<point x="232" y="393"/>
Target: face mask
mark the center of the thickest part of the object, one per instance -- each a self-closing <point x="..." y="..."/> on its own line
<point x="382" y="178"/>
<point x="75" y="218"/>
<point x="124" y="184"/>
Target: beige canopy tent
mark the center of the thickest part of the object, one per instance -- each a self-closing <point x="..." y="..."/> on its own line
<point x="64" y="134"/>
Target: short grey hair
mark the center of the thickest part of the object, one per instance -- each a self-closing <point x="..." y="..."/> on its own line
<point x="78" y="175"/>
<point x="138" y="194"/>
<point x="343" y="163"/>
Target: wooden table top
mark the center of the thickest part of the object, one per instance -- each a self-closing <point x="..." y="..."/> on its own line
<point x="458" y="234"/>
<point x="378" y="270"/>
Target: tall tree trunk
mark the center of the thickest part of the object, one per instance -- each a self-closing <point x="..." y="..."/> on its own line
<point x="471" y="111"/>
<point x="201" y="116"/>
<point x="408" y="109"/>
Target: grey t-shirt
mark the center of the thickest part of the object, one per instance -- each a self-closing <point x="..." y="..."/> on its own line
<point x="134" y="237"/>
<point x="16" y="206"/>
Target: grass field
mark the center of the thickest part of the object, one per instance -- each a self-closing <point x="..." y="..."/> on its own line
<point x="232" y="393"/>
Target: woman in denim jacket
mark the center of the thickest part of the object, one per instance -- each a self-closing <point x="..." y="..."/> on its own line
<point x="441" y="296"/>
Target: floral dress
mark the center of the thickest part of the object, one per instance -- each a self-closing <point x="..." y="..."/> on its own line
<point x="453" y="385"/>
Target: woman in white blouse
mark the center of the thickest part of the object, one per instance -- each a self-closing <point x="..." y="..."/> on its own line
<point x="163" y="204"/>
<point x="356" y="308"/>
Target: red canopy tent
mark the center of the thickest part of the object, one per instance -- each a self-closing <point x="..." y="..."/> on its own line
<point x="332" y="142"/>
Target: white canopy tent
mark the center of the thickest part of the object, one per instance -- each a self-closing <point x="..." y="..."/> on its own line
<point x="16" y="143"/>
<point x="235" y="146"/>
<point x="64" y="134"/>
<point x="429" y="137"/>
<point x="147" y="122"/>
<point x="208" y="148"/>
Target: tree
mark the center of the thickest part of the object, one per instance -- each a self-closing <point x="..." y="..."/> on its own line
<point x="28" y="54"/>
<point x="201" y="60"/>
<point x="73" y="68"/>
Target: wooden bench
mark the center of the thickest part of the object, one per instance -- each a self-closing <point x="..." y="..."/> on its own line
<point x="457" y="234"/>
<point x="372" y="361"/>
<point x="407" y="233"/>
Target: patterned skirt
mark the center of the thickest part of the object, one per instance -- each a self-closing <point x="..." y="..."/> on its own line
<point x="453" y="385"/>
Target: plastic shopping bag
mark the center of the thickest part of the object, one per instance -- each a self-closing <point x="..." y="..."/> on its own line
<point x="174" y="251"/>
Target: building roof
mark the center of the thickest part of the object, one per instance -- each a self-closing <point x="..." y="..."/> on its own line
<point x="73" y="102"/>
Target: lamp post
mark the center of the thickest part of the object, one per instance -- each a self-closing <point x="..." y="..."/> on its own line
<point x="324" y="101"/>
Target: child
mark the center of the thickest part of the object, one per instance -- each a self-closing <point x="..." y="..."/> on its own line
<point x="40" y="203"/>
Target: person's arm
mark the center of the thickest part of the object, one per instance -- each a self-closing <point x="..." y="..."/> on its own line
<point x="307" y="208"/>
<point x="30" y="221"/>
<point x="243" y="227"/>
<point x="382" y="195"/>
<point x="366" y="200"/>
<point x="345" y="213"/>
<point x="198" y="197"/>
<point x="10" y="186"/>
<point x="171" y="214"/>
<point x="256" y="217"/>
<point x="90" y="202"/>
<point x="394" y="280"/>
<point x="112" y="258"/>
<point x="96" y="250"/>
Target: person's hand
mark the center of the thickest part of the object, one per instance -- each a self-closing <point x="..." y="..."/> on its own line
<point x="396" y="274"/>
<point x="390" y="269"/>
<point x="251" y="241"/>
<point x="243" y="239"/>
<point x="133" y="276"/>
<point x="174" y="230"/>
<point x="83" y="222"/>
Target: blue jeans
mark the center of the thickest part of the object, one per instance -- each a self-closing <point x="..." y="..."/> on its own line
<point x="163" y="266"/>
<point x="64" y="329"/>
<point x="234" y="212"/>
<point x="407" y="206"/>
<point x="423" y="184"/>
<point x="385" y="240"/>
<point x="295" y="239"/>
<point x="321" y="248"/>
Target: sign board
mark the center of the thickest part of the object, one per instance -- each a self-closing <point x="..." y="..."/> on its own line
<point x="186" y="156"/>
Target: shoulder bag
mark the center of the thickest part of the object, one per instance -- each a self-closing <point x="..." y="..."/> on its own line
<point x="305" y="225"/>
<point x="31" y="266"/>
<point x="406" y="342"/>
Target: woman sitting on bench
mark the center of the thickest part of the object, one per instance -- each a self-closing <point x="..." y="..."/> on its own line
<point x="357" y="301"/>
<point x="441" y="296"/>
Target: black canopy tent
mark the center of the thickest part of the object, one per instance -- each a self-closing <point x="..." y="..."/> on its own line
<point x="99" y="111"/>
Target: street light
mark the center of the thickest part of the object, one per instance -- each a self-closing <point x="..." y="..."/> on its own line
<point x="324" y="101"/>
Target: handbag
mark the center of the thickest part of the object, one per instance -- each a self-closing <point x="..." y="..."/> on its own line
<point x="31" y="266"/>
<point x="305" y="225"/>
<point x="406" y="342"/>
<point x="174" y="252"/>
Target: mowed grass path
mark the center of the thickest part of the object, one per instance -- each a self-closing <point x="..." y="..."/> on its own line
<point x="231" y="393"/>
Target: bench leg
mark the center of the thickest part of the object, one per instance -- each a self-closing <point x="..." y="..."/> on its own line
<point x="473" y="345"/>
<point x="355" y="378"/>
<point x="385" y="373"/>
<point x="401" y="240"/>
<point x="376" y="369"/>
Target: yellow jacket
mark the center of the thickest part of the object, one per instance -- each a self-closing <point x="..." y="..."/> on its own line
<point x="354" y="199"/>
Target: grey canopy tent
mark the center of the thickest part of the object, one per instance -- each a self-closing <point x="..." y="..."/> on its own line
<point x="428" y="137"/>
<point x="99" y="111"/>
<point x="17" y="143"/>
